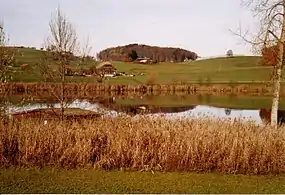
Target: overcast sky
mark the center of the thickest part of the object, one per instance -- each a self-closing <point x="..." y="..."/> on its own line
<point x="201" y="26"/>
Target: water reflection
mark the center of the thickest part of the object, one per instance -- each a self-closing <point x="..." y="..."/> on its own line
<point x="146" y="109"/>
<point x="228" y="111"/>
<point x="265" y="115"/>
<point x="172" y="106"/>
<point x="185" y="112"/>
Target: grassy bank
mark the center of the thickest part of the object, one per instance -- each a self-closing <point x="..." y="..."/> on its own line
<point x="59" y="181"/>
<point x="144" y="144"/>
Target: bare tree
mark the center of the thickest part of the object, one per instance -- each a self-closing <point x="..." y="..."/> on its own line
<point x="7" y="56"/>
<point x="7" y="60"/>
<point x="60" y="47"/>
<point x="271" y="15"/>
<point x="84" y="58"/>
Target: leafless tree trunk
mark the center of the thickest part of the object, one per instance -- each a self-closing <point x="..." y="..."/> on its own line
<point x="84" y="55"/>
<point x="272" y="33"/>
<point x="62" y="44"/>
<point x="7" y="57"/>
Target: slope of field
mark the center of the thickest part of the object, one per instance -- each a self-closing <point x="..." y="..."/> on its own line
<point x="241" y="68"/>
<point x="33" y="57"/>
<point x="233" y="70"/>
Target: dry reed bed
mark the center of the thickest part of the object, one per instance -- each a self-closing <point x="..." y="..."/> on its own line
<point x="143" y="89"/>
<point x="121" y="143"/>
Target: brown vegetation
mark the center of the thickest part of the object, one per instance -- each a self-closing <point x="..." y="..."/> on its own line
<point x="269" y="55"/>
<point x="158" y="54"/>
<point x="265" y="115"/>
<point x="120" y="143"/>
<point x="74" y="89"/>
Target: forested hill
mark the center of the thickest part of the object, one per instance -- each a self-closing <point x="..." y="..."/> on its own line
<point x="160" y="54"/>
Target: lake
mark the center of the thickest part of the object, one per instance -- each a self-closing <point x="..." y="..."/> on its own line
<point x="245" y="108"/>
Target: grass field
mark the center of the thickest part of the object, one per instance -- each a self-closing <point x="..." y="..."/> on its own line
<point x="48" y="180"/>
<point x="246" y="69"/>
<point x="239" y="68"/>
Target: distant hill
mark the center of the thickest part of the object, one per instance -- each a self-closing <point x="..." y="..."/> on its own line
<point x="159" y="54"/>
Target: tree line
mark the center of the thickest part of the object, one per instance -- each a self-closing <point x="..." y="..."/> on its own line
<point x="159" y="54"/>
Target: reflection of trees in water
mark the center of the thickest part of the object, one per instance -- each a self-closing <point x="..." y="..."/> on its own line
<point x="265" y="115"/>
<point x="228" y="111"/>
<point x="147" y="109"/>
<point x="208" y="98"/>
<point x="232" y="97"/>
<point x="200" y="98"/>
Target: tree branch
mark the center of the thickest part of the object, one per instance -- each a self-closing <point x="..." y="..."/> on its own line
<point x="274" y="35"/>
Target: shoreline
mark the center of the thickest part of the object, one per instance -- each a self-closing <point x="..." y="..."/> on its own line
<point x="253" y="89"/>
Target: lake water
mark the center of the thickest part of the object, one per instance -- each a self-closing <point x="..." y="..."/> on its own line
<point x="246" y="108"/>
<point x="170" y="112"/>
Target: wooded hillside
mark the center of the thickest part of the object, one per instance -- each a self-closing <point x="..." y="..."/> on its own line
<point x="159" y="54"/>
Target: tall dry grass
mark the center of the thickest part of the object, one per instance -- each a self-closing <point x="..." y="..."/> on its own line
<point x="160" y="144"/>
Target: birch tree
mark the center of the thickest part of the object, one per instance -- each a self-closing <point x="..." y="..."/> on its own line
<point x="271" y="34"/>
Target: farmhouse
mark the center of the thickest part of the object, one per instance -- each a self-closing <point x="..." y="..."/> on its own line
<point x="106" y="69"/>
<point x="144" y="60"/>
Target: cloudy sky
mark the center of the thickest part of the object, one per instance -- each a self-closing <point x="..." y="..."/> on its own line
<point x="202" y="26"/>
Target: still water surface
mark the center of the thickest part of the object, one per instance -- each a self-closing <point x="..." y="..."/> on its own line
<point x="171" y="112"/>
